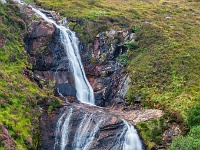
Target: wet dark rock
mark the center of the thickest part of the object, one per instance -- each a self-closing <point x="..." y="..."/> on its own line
<point x="137" y="99"/>
<point x="66" y="89"/>
<point x="111" y="129"/>
<point x="48" y="57"/>
<point x="51" y="63"/>
<point x="47" y="128"/>
<point x="103" y="65"/>
<point x="42" y="29"/>
<point x="107" y="135"/>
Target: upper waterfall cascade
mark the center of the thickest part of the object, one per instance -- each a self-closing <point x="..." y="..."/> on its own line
<point x="70" y="42"/>
<point x="3" y="1"/>
<point x="129" y="137"/>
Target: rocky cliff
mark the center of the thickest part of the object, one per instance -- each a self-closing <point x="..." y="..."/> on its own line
<point x="105" y="73"/>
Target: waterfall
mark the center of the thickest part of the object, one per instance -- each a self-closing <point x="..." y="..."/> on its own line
<point x="3" y="1"/>
<point x="80" y="140"/>
<point x="69" y="40"/>
<point x="65" y="131"/>
<point x="132" y="140"/>
<point x="58" y="127"/>
<point x="88" y="128"/>
<point x="84" y="135"/>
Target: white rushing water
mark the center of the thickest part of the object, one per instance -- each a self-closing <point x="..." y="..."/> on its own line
<point x="84" y="94"/>
<point x="3" y="1"/>
<point x="70" y="42"/>
<point x="132" y="140"/>
<point x="65" y="131"/>
<point x="59" y="128"/>
<point x="85" y="133"/>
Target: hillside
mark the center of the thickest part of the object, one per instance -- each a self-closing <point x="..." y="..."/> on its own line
<point x="162" y="62"/>
<point x="19" y="93"/>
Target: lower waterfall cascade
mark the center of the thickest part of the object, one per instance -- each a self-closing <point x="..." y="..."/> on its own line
<point x="88" y="127"/>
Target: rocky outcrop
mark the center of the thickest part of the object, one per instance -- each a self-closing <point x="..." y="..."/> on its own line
<point x="171" y="133"/>
<point x="84" y="119"/>
<point x="135" y="116"/>
<point x="49" y="61"/>
<point x="105" y="73"/>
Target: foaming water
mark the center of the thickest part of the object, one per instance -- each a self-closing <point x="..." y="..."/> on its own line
<point x="132" y="140"/>
<point x="65" y="131"/>
<point x="85" y="134"/>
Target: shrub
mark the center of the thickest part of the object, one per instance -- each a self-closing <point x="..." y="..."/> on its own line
<point x="131" y="44"/>
<point x="151" y="131"/>
<point x="136" y="28"/>
<point x="194" y="115"/>
<point x="190" y="142"/>
<point x="54" y="102"/>
<point x="123" y="59"/>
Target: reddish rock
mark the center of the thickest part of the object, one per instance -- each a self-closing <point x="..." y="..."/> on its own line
<point x="42" y="29"/>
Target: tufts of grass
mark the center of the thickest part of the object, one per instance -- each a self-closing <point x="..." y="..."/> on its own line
<point x="19" y="96"/>
<point x="151" y="131"/>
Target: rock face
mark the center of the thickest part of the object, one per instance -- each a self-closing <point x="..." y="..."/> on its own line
<point x="50" y="62"/>
<point x="92" y="128"/>
<point x="105" y="73"/>
<point x="48" y="58"/>
<point x="81" y="122"/>
<point x="86" y="127"/>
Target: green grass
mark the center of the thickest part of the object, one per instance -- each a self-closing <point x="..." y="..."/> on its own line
<point x="192" y="140"/>
<point x="18" y="95"/>
<point x="150" y="131"/>
<point x="189" y="142"/>
<point x="163" y="61"/>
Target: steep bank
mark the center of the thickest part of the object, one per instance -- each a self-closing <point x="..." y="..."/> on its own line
<point x="19" y="93"/>
<point x="136" y="96"/>
<point x="163" y="62"/>
<point x="55" y="59"/>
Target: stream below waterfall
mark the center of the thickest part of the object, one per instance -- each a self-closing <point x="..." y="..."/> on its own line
<point x="81" y="135"/>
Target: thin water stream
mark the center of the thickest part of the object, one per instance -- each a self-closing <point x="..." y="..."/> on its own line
<point x="85" y="133"/>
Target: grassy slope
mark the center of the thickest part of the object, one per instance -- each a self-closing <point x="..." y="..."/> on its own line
<point x="164" y="68"/>
<point x="18" y="95"/>
<point x="169" y="48"/>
